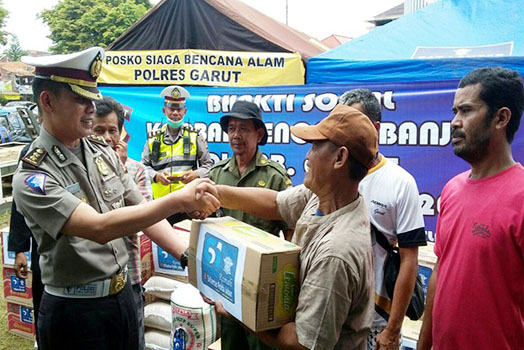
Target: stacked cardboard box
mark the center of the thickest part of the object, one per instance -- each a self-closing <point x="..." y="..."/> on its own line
<point x="20" y="320"/>
<point x="146" y="261"/>
<point x="18" y="294"/>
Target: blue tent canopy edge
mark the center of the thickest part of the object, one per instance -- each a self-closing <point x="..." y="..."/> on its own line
<point x="385" y="54"/>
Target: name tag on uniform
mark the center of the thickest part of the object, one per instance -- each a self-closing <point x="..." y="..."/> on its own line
<point x="74" y="188"/>
<point x="85" y="290"/>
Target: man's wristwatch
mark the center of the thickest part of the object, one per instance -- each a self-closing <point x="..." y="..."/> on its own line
<point x="183" y="259"/>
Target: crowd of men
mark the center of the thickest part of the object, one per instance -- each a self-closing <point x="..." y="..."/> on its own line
<point x="83" y="200"/>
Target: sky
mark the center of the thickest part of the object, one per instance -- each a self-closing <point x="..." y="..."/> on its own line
<point x="318" y="19"/>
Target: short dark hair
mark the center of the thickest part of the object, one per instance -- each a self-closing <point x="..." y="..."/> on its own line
<point x="369" y="102"/>
<point x="357" y="170"/>
<point x="108" y="105"/>
<point x="40" y="85"/>
<point x="501" y="87"/>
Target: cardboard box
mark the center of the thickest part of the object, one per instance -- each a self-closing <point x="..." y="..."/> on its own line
<point x="253" y="273"/>
<point x="410" y="333"/>
<point x="146" y="260"/>
<point x="17" y="290"/>
<point x="20" y="320"/>
<point x="9" y="256"/>
<point x="165" y="264"/>
<point x="426" y="255"/>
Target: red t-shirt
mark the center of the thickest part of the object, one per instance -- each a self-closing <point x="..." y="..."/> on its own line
<point x="479" y="299"/>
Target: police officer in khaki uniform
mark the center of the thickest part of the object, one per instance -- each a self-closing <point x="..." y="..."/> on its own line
<point x="247" y="168"/>
<point x="72" y="190"/>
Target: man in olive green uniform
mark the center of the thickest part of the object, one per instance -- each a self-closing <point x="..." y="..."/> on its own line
<point x="247" y="168"/>
<point x="72" y="189"/>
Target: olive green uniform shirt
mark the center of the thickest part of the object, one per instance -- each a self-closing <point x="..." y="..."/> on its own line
<point x="263" y="173"/>
<point x="48" y="190"/>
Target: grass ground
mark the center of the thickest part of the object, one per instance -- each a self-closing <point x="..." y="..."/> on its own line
<point x="9" y="341"/>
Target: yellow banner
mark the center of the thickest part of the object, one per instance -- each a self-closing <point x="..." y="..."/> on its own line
<point x="202" y="67"/>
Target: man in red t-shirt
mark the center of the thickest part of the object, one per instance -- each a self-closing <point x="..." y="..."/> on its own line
<point x="476" y="292"/>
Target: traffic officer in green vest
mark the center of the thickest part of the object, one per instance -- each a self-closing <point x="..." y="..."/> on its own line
<point x="176" y="154"/>
<point x="248" y="167"/>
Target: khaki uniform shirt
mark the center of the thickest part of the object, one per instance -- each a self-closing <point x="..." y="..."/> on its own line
<point x="262" y="172"/>
<point x="336" y="299"/>
<point x="49" y="191"/>
<point x="204" y="158"/>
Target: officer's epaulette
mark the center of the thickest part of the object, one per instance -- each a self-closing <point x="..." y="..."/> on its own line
<point x="97" y="139"/>
<point x="221" y="163"/>
<point x="35" y="157"/>
<point x="190" y="128"/>
<point x="277" y="166"/>
<point x="155" y="133"/>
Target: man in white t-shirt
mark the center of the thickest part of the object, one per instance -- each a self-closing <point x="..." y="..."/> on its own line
<point x="392" y="197"/>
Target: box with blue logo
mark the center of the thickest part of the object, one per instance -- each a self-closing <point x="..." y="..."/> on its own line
<point x="8" y="255"/>
<point x="16" y="289"/>
<point x="20" y="320"/>
<point x="253" y="273"/>
<point x="166" y="264"/>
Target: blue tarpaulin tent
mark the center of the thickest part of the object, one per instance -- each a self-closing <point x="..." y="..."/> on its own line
<point x="442" y="41"/>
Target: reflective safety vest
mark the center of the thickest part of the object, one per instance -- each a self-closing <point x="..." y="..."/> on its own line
<point x="173" y="159"/>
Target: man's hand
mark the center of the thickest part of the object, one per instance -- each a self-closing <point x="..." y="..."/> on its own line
<point x="121" y="150"/>
<point x="162" y="178"/>
<point x="189" y="176"/>
<point x="21" y="265"/>
<point x="219" y="308"/>
<point x="388" y="340"/>
<point x="197" y="215"/>
<point x="199" y="195"/>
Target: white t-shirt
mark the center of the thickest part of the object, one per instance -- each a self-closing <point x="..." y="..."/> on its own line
<point x="392" y="197"/>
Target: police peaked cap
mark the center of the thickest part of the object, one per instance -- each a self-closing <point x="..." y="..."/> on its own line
<point x="78" y="70"/>
<point x="175" y="96"/>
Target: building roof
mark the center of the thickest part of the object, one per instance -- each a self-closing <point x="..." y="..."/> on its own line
<point x="18" y="68"/>
<point x="334" y="40"/>
<point x="388" y="15"/>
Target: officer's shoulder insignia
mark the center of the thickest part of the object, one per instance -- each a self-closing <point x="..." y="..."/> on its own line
<point x="36" y="182"/>
<point x="155" y="133"/>
<point x="97" y="139"/>
<point x="261" y="183"/>
<point x="288" y="182"/>
<point x="189" y="128"/>
<point x="35" y="157"/>
<point x="60" y="155"/>
<point x="221" y="163"/>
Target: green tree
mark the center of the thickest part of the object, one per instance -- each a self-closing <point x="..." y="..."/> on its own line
<point x="3" y="18"/>
<point x="14" y="51"/>
<point x="79" y="24"/>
